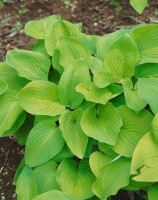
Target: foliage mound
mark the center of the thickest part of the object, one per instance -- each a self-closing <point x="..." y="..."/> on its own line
<point x="86" y="108"/>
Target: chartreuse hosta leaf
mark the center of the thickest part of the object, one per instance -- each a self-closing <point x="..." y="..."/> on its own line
<point x="11" y="77"/>
<point x="103" y="78"/>
<point x="46" y="177"/>
<point x="145" y="160"/>
<point x="97" y="65"/>
<point x="53" y="194"/>
<point x="77" y="73"/>
<point x="146" y="70"/>
<point x="139" y="5"/>
<point x="28" y="64"/>
<point x="9" y="110"/>
<point x="18" y="123"/>
<point x="133" y="99"/>
<point x="102" y="122"/>
<point x="48" y="138"/>
<point x="122" y="57"/>
<point x="90" y="42"/>
<point x="38" y="28"/>
<point x="75" y="180"/>
<point x="26" y="187"/>
<point x="98" y="95"/>
<point x="148" y="49"/>
<point x="105" y="42"/>
<point x="119" y="62"/>
<point x="135" y="126"/>
<point x="98" y="160"/>
<point x="148" y="90"/>
<point x="112" y="177"/>
<point x="40" y="47"/>
<point x="60" y="28"/>
<point x="40" y="98"/>
<point x="19" y="170"/>
<point x="70" y="50"/>
<point x="3" y="86"/>
<point x="153" y="192"/>
<point x="74" y="136"/>
<point x="94" y="94"/>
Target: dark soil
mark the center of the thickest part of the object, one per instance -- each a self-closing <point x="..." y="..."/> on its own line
<point x="98" y="17"/>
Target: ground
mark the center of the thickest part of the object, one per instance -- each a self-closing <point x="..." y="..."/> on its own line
<point x="98" y="17"/>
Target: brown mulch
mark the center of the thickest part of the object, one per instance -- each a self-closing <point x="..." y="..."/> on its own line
<point x="98" y="17"/>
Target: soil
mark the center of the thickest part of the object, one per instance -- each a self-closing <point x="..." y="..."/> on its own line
<point x="98" y="17"/>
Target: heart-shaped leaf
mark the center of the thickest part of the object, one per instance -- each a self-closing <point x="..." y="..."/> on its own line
<point x="75" y="138"/>
<point x="102" y="123"/>
<point x="75" y="180"/>
<point x="48" y="138"/>
<point x="133" y="99"/>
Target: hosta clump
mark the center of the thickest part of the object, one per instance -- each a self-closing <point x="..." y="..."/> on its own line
<point x="86" y="108"/>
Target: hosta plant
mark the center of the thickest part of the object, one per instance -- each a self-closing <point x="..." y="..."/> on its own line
<point x="85" y="107"/>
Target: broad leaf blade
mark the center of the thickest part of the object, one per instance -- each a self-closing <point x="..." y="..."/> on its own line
<point x="148" y="48"/>
<point x="77" y="73"/>
<point x="122" y="57"/>
<point x="40" y="98"/>
<point x="3" y="86"/>
<point x="28" y="64"/>
<point x="9" y="109"/>
<point x="38" y="28"/>
<point x="70" y="50"/>
<point x="105" y="42"/>
<point x="148" y="90"/>
<point x="146" y="70"/>
<point x="75" y="138"/>
<point x="75" y="181"/>
<point x="60" y="28"/>
<point x="45" y="176"/>
<point x="133" y="99"/>
<point x="43" y="143"/>
<point x="102" y="123"/>
<point x="11" y="77"/>
<point x="94" y="94"/>
<point x="135" y="126"/>
<point x="98" y="160"/>
<point x="26" y="187"/>
<point x="112" y="177"/>
<point x="144" y="162"/>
